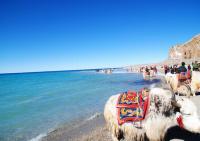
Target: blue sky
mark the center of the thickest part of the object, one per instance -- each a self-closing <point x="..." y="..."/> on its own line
<point x="45" y="35"/>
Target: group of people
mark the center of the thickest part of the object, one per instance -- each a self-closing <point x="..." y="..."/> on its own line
<point x="176" y="68"/>
<point x="183" y="70"/>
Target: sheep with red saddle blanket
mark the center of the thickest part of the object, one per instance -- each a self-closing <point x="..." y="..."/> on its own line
<point x="164" y="111"/>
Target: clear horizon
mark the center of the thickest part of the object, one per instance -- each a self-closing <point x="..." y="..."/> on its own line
<point x="76" y="34"/>
<point x="87" y="69"/>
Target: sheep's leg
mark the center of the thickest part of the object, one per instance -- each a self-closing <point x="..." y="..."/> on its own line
<point x="117" y="134"/>
<point x="193" y="90"/>
<point x="190" y="92"/>
<point x="194" y="94"/>
<point x="114" y="138"/>
<point x="155" y="129"/>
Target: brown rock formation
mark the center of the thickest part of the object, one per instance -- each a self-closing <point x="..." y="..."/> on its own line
<point x="188" y="50"/>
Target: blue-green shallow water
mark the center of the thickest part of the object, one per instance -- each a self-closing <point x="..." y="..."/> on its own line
<point x="34" y="103"/>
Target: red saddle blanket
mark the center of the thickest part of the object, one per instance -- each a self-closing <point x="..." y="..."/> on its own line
<point x="132" y="106"/>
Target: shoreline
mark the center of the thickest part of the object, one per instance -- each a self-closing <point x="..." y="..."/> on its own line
<point x="60" y="99"/>
<point x="88" y="129"/>
<point x="95" y="128"/>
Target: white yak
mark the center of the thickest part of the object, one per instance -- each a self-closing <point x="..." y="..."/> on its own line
<point x="172" y="80"/>
<point x="195" y="83"/>
<point x="161" y="116"/>
<point x="177" y="87"/>
<point x="168" y="77"/>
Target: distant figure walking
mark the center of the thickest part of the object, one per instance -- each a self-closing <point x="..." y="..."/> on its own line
<point x="166" y="69"/>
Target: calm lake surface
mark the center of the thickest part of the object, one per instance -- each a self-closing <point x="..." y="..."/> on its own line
<point x="32" y="104"/>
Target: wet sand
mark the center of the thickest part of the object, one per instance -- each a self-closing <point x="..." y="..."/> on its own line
<point x="95" y="129"/>
<point x="90" y="130"/>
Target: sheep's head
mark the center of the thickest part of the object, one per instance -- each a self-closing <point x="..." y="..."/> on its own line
<point x="161" y="101"/>
<point x="186" y="112"/>
<point x="186" y="116"/>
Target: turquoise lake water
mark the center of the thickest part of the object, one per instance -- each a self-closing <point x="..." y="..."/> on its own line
<point x="35" y="103"/>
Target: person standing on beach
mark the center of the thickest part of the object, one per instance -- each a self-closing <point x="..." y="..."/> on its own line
<point x="189" y="72"/>
<point x="166" y="69"/>
<point x="182" y="68"/>
<point x="172" y="70"/>
<point x="155" y="69"/>
<point x="189" y="67"/>
<point x="182" y="72"/>
<point x="195" y="66"/>
<point x="147" y="69"/>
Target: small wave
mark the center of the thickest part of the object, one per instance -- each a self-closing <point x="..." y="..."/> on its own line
<point x="152" y="86"/>
<point x="38" y="138"/>
<point x="121" y="72"/>
<point x="29" y="100"/>
<point x="94" y="116"/>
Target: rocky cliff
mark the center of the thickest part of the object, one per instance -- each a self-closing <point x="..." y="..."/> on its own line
<point x="188" y="50"/>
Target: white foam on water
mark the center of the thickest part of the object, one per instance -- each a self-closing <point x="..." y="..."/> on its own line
<point x="94" y="116"/>
<point x="39" y="137"/>
<point x="116" y="72"/>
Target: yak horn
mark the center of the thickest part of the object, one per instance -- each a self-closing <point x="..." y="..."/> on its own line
<point x="175" y="104"/>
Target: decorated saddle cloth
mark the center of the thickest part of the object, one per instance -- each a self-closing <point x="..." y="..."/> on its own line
<point x="182" y="76"/>
<point x="132" y="106"/>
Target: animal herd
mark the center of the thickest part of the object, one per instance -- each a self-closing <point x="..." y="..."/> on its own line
<point x="166" y="111"/>
<point x="186" y="89"/>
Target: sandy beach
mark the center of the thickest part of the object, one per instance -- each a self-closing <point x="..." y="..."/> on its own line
<point x="92" y="129"/>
